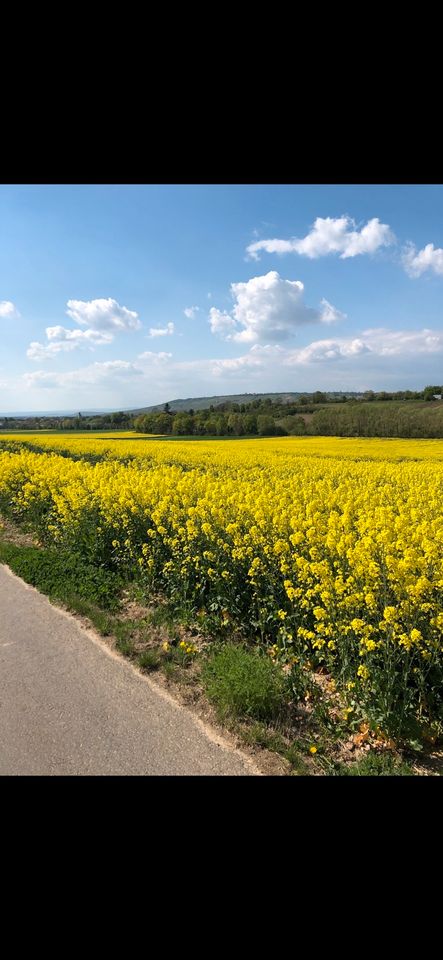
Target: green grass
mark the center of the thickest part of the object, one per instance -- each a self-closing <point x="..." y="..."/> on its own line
<point x="243" y="683"/>
<point x="376" y="765"/>
<point x="125" y="647"/>
<point x="162" y="616"/>
<point x="260" y="735"/>
<point x="171" y="670"/>
<point x="149" y="660"/>
<point x="64" y="576"/>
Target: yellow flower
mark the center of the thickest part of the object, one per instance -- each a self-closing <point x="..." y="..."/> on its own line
<point x="348" y="531"/>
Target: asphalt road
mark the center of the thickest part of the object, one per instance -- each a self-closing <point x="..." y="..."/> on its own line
<point x="70" y="707"/>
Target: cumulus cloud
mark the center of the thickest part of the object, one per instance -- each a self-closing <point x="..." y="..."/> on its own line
<point x="325" y="350"/>
<point x="190" y="312"/>
<point x="401" y="344"/>
<point x="330" y="235"/>
<point x="102" y="315"/>
<point x="8" y="310"/>
<point x="106" y="318"/>
<point x="162" y="331"/>
<point x="221" y="323"/>
<point x="382" y="358"/>
<point x="62" y="340"/>
<point x="268" y="308"/>
<point x="270" y="360"/>
<point x="429" y="258"/>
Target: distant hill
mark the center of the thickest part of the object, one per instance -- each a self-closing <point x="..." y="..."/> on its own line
<point x="202" y="403"/>
<point x="21" y="414"/>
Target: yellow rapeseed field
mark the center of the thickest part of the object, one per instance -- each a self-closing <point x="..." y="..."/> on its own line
<point x="328" y="551"/>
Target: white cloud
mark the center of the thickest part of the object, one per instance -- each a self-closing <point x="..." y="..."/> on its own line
<point x="429" y="258"/>
<point x="97" y="373"/>
<point x="330" y="314"/>
<point x="106" y="318"/>
<point x="38" y="351"/>
<point x="374" y="358"/>
<point x="401" y="344"/>
<point x="103" y="315"/>
<point x="253" y="361"/>
<point x="42" y="379"/>
<point x="62" y="340"/>
<point x="190" y="312"/>
<point x="325" y="350"/>
<point x="222" y="324"/>
<point x="330" y="235"/>
<point x="8" y="310"/>
<point x="154" y="357"/>
<point x="269" y="363"/>
<point x="268" y="308"/>
<point x="162" y="331"/>
<point x="59" y="334"/>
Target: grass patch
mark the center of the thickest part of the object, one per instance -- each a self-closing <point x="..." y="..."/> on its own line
<point x="171" y="670"/>
<point x="242" y="683"/>
<point x="125" y="647"/>
<point x="376" y="765"/>
<point x="149" y="660"/>
<point x="260" y="735"/>
<point x="162" y="616"/>
<point x="64" y="576"/>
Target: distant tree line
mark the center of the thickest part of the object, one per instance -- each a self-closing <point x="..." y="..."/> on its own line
<point x="210" y="423"/>
<point x="311" y="415"/>
<point x="404" y="413"/>
<point x="109" y="421"/>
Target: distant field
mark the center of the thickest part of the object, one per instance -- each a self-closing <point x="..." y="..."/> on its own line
<point x="248" y="450"/>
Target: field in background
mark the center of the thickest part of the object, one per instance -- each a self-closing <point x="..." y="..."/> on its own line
<point x="131" y="444"/>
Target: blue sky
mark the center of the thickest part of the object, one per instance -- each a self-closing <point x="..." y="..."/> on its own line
<point x="113" y="296"/>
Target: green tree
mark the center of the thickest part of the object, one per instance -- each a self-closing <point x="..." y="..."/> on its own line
<point x="250" y="422"/>
<point x="163" y="423"/>
<point x="265" y="426"/>
<point x="183" y="425"/>
<point x="235" y="424"/>
<point x="428" y="392"/>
